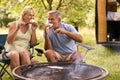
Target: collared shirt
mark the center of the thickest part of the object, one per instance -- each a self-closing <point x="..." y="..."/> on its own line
<point x="61" y="43"/>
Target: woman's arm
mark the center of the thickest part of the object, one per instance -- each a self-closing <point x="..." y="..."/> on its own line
<point x="12" y="32"/>
<point x="33" y="36"/>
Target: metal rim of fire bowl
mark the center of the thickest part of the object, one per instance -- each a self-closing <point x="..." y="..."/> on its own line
<point x="104" y="71"/>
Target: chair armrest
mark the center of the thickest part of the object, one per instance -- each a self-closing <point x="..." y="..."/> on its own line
<point x="3" y="52"/>
<point x="32" y="49"/>
<point x="33" y="45"/>
<point x="1" y="48"/>
<point x="85" y="46"/>
<point x="40" y="51"/>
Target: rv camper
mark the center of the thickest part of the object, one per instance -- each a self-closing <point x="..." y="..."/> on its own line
<point x="107" y="22"/>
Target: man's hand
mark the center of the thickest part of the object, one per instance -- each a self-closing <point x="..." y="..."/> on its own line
<point x="47" y="27"/>
<point x="60" y="31"/>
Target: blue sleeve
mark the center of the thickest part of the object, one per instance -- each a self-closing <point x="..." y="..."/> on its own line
<point x="69" y="28"/>
<point x="72" y="29"/>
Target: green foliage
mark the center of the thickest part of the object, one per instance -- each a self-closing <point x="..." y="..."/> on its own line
<point x="76" y="12"/>
<point x="7" y="14"/>
<point x="103" y="57"/>
<point x="4" y="17"/>
<point x="4" y="22"/>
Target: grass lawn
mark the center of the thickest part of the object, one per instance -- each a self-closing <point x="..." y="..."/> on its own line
<point x="101" y="56"/>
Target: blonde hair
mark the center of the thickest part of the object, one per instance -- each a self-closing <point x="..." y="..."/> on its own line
<point x="26" y="11"/>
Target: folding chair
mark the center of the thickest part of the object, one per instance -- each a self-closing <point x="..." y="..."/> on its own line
<point x="4" y="63"/>
<point x="83" y="45"/>
<point x="86" y="47"/>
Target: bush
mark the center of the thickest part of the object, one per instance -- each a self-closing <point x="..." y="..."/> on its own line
<point x="5" y="21"/>
<point x="5" y="17"/>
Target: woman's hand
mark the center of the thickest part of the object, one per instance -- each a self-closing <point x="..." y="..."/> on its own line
<point x="34" y="24"/>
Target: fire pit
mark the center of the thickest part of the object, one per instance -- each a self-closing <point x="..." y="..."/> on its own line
<point x="60" y="71"/>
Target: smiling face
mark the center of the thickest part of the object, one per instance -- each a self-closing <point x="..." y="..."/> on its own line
<point x="54" y="19"/>
<point x="28" y="14"/>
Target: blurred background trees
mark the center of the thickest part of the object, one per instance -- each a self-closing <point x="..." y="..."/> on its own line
<point x="77" y="12"/>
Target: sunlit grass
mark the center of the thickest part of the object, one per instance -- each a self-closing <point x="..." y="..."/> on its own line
<point x="101" y="56"/>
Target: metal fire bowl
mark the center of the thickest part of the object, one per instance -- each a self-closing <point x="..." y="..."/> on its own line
<point x="60" y="71"/>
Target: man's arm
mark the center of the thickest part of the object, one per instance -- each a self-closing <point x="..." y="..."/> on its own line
<point x="47" y="42"/>
<point x="74" y="36"/>
<point x="12" y="32"/>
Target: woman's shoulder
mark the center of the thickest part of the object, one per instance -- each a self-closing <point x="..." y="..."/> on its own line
<point x="12" y="24"/>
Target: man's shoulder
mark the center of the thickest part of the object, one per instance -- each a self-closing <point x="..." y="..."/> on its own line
<point x="66" y="25"/>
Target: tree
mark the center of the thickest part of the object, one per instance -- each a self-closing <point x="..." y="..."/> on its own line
<point x="73" y="11"/>
<point x="5" y="16"/>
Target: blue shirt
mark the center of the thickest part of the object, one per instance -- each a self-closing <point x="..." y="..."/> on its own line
<point x="61" y="43"/>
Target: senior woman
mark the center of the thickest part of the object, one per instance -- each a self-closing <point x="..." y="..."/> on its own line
<point x="21" y="34"/>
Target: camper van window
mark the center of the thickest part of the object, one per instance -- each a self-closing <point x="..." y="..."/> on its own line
<point x="113" y="14"/>
<point x="113" y="21"/>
